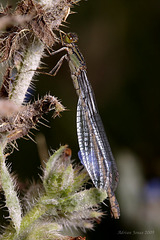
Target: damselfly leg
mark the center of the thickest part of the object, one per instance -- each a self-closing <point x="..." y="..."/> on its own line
<point x="56" y="68"/>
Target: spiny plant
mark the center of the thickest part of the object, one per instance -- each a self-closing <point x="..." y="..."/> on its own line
<point x="61" y="200"/>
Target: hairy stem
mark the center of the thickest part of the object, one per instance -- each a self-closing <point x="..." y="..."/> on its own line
<point x="12" y="201"/>
<point x="31" y="62"/>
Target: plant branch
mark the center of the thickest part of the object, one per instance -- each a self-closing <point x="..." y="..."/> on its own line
<point x="12" y="201"/>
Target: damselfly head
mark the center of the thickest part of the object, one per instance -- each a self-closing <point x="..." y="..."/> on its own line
<point x="70" y="38"/>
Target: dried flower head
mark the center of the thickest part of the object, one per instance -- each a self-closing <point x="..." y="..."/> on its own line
<point x="16" y="121"/>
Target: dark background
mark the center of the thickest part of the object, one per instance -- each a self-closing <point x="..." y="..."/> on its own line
<point x="120" y="43"/>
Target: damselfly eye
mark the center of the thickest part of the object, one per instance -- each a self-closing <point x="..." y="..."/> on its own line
<point x="70" y="38"/>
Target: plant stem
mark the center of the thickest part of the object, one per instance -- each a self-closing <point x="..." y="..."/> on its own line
<point x="31" y="62"/>
<point x="12" y="201"/>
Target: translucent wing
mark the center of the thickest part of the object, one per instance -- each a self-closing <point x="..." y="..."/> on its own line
<point x="95" y="151"/>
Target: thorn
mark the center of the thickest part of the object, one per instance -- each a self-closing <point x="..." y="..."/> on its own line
<point x="25" y="138"/>
<point x="15" y="143"/>
<point x="14" y="146"/>
<point x="31" y="139"/>
<point x="72" y="12"/>
<point x="76" y="3"/>
<point x="45" y="119"/>
<point x="64" y="21"/>
<point x="29" y="93"/>
<point x="43" y="124"/>
<point x="32" y="86"/>
<point x="31" y="133"/>
<point x="63" y="25"/>
<point x="34" y="127"/>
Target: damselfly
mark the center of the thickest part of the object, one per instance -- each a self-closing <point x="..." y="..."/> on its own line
<point x="95" y="152"/>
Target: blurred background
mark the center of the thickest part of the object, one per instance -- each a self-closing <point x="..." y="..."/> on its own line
<point x="120" y="41"/>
